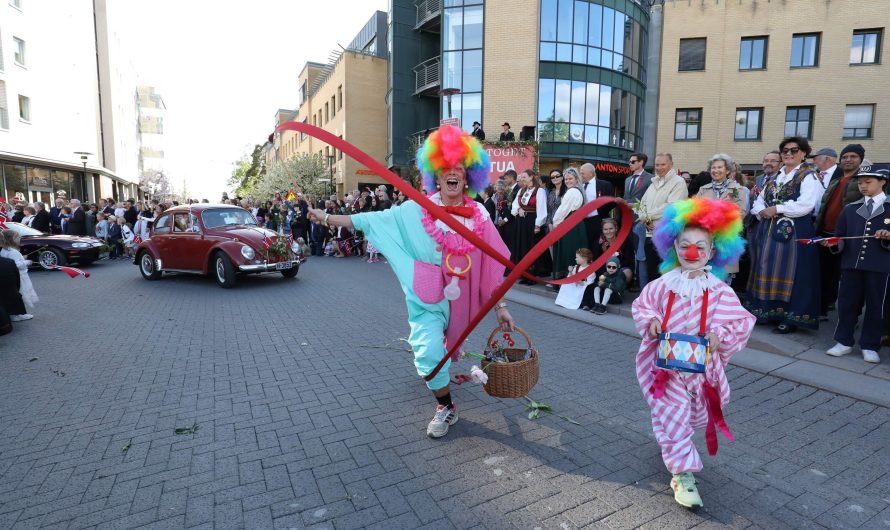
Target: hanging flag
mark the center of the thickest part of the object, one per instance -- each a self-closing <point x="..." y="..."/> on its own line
<point x="72" y="272"/>
<point x="291" y="195"/>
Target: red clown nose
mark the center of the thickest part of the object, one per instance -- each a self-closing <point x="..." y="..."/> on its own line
<point x="692" y="253"/>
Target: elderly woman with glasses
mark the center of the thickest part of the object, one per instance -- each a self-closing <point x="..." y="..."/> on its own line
<point x="725" y="188"/>
<point x="784" y="285"/>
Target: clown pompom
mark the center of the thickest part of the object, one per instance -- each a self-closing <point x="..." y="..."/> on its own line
<point x="692" y="323"/>
<point x="446" y="279"/>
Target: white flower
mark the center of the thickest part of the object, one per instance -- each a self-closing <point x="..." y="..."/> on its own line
<point x="478" y="375"/>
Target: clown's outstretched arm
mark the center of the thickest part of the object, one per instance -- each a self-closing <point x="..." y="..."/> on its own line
<point x="319" y="216"/>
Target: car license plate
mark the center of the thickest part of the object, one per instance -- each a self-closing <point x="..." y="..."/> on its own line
<point x="284" y="265"/>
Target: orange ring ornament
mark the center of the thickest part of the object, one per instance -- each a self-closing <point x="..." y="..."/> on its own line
<point x="452" y="290"/>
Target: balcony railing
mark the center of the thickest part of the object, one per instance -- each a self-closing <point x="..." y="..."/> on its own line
<point x="427" y="76"/>
<point x="427" y="11"/>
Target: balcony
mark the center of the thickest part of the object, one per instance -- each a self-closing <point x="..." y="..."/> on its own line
<point x="428" y="12"/>
<point x="427" y="77"/>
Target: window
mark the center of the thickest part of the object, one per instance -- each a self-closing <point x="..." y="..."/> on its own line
<point x="162" y="225"/>
<point x="327" y="115"/>
<point x="302" y="134"/>
<point x="1" y="52"/>
<point x="462" y="30"/>
<point x="692" y="54"/>
<point x="4" y="110"/>
<point x="858" y="121"/>
<point x="302" y="93"/>
<point x="752" y="53"/>
<point x="799" y="122"/>
<point x="16" y="3"/>
<point x="24" y="108"/>
<point x="19" y="52"/>
<point x="333" y="106"/>
<point x="339" y="152"/>
<point x="747" y="123"/>
<point x="687" y="124"/>
<point x="339" y="97"/>
<point x="805" y="50"/>
<point x="866" y="47"/>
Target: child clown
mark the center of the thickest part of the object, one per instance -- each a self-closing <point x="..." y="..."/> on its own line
<point x="697" y="239"/>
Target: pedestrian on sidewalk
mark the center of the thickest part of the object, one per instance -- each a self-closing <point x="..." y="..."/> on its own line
<point x="865" y="264"/>
<point x="609" y="288"/>
<point x="697" y="238"/>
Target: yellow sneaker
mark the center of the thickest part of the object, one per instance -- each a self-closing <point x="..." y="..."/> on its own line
<point x="685" y="492"/>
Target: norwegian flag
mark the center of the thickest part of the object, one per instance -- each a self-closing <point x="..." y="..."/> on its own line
<point x="267" y="241"/>
<point x="137" y="239"/>
<point x="4" y="217"/>
<point x="72" y="272"/>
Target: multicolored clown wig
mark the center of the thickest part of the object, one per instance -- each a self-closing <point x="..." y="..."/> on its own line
<point x="450" y="146"/>
<point x="721" y="219"/>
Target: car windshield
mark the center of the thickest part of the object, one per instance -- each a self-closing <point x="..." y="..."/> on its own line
<point x="216" y="217"/>
<point x="24" y="230"/>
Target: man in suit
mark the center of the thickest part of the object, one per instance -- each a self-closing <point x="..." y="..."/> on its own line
<point x="635" y="187"/>
<point x="594" y="188"/>
<point x="841" y="189"/>
<point x="637" y="183"/>
<point x="77" y="224"/>
<point x="865" y="264"/>
<point x="41" y="218"/>
<point x="478" y="133"/>
<point x="507" y="135"/>
<point x="507" y="224"/>
<point x="131" y="214"/>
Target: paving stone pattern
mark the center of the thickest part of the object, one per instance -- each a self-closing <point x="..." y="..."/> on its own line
<point x="301" y="423"/>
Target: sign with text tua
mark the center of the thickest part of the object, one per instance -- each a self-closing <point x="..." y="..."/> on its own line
<point x="515" y="157"/>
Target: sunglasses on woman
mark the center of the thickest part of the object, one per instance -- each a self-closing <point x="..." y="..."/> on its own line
<point x="791" y="150"/>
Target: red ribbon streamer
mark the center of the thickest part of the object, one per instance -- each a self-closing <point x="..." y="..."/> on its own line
<point x="660" y="383"/>
<point x="439" y="213"/>
<point x="715" y="419"/>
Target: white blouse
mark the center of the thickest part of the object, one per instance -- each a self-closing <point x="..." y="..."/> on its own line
<point x="540" y="206"/>
<point x="805" y="204"/>
<point x="571" y="201"/>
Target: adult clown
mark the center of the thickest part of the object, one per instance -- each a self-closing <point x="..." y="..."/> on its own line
<point x="697" y="239"/>
<point x="446" y="280"/>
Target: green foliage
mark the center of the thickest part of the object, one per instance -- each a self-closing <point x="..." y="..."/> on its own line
<point x="247" y="172"/>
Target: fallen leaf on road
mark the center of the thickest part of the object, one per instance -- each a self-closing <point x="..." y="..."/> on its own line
<point x="187" y="430"/>
<point x="32" y="359"/>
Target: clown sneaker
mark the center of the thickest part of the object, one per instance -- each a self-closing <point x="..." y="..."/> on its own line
<point x="444" y="417"/>
<point x="685" y="492"/>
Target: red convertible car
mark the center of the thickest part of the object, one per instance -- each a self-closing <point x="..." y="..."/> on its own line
<point x="215" y="239"/>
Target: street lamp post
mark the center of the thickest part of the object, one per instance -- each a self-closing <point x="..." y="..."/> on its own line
<point x="83" y="160"/>
<point x="331" y="159"/>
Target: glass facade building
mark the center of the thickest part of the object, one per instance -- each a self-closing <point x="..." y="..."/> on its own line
<point x="592" y="77"/>
<point x="462" y="42"/>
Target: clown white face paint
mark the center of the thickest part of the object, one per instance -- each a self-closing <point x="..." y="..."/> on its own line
<point x="694" y="248"/>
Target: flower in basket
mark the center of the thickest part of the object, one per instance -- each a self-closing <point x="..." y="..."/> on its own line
<point x="478" y="375"/>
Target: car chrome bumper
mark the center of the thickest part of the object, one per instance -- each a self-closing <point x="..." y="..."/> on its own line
<point x="269" y="267"/>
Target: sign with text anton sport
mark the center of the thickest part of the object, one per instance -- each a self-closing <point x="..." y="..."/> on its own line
<point x="504" y="157"/>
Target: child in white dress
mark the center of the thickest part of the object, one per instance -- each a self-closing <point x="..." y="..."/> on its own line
<point x="11" y="241"/>
<point x="571" y="294"/>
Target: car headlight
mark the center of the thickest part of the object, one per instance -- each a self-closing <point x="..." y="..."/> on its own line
<point x="247" y="252"/>
<point x="296" y="247"/>
<point x="80" y="245"/>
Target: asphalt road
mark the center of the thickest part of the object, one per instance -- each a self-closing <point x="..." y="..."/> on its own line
<point x="294" y="404"/>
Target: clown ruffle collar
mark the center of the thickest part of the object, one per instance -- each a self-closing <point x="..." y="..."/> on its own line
<point x="679" y="282"/>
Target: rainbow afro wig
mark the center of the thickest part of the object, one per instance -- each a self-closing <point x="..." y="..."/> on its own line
<point x="450" y="146"/>
<point x="721" y="219"/>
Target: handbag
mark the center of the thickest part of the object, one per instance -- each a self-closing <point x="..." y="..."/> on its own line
<point x="783" y="229"/>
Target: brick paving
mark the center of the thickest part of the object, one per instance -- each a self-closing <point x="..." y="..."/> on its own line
<point x="300" y="423"/>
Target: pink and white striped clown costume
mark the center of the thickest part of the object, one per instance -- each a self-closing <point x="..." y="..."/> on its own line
<point x="696" y="238"/>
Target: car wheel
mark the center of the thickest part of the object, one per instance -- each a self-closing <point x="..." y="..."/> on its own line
<point x="148" y="267"/>
<point x="50" y="258"/>
<point x="291" y="272"/>
<point x="223" y="271"/>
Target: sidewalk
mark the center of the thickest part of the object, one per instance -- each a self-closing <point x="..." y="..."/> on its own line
<point x="799" y="356"/>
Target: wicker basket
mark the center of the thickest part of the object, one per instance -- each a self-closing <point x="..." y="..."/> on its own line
<point x="515" y="378"/>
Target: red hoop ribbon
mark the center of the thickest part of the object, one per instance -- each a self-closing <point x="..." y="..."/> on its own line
<point x="517" y="270"/>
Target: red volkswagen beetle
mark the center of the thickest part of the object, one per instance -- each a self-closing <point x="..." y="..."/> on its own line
<point x="215" y="239"/>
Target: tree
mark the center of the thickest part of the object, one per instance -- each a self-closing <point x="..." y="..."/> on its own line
<point x="299" y="173"/>
<point x="247" y="172"/>
<point x="156" y="183"/>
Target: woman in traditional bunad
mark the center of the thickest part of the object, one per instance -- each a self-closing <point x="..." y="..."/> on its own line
<point x="784" y="285"/>
<point x="530" y="212"/>
<point x="567" y="246"/>
<point x="446" y="280"/>
<point x="697" y="238"/>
